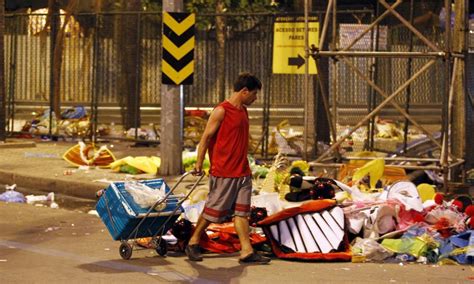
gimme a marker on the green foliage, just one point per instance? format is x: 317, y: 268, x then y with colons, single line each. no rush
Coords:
x: 231, y: 6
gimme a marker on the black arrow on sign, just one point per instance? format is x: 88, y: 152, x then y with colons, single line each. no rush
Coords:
x: 296, y: 61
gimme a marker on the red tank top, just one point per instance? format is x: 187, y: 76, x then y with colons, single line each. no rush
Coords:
x: 228, y: 148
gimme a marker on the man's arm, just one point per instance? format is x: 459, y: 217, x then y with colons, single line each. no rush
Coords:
x: 212, y: 126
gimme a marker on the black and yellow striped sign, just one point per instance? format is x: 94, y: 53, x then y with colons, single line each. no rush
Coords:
x: 177, y: 64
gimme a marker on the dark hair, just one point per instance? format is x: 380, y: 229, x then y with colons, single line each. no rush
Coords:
x: 247, y: 80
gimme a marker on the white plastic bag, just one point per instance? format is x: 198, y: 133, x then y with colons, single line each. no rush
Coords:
x: 145, y: 196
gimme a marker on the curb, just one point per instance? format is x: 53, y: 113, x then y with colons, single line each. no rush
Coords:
x: 16, y: 145
x: 85, y: 190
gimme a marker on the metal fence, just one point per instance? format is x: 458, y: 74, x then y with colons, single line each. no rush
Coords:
x: 93, y: 65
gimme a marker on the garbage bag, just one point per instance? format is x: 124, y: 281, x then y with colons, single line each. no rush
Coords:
x: 12, y: 196
x: 370, y: 249
x: 74, y: 113
x: 145, y: 196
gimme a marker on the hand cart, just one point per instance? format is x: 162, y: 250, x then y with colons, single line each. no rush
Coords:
x: 127, y: 222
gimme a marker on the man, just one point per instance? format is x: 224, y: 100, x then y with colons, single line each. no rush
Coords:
x: 230, y: 182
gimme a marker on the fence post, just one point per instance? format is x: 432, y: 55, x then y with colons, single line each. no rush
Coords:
x: 2, y: 73
x: 96, y: 79
x: 55, y: 18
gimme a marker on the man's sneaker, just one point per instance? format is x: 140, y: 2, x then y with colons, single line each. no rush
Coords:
x: 193, y: 252
x: 255, y: 258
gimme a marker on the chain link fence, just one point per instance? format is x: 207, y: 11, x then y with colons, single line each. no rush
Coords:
x: 114, y: 59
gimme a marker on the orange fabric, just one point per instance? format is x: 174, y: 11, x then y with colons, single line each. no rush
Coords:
x: 310, y: 206
x: 224, y: 239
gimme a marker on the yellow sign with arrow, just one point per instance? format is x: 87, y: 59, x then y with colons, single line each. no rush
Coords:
x: 289, y: 43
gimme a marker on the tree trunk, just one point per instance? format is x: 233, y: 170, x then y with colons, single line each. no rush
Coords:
x: 221, y: 43
x: 2, y: 74
x: 128, y: 48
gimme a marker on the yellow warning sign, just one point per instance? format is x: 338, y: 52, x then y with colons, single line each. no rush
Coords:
x: 289, y: 43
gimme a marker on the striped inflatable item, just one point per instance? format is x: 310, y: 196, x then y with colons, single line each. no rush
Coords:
x: 315, y: 230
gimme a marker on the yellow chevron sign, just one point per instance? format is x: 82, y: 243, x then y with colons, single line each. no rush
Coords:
x: 177, y: 62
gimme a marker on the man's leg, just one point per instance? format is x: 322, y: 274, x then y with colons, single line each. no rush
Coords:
x: 201, y: 225
x: 242, y: 228
x: 193, y: 251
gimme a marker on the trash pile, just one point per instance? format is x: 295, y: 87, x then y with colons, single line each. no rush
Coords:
x: 371, y: 213
x: 73, y: 122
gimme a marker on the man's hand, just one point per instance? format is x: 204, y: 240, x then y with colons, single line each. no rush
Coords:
x: 197, y: 169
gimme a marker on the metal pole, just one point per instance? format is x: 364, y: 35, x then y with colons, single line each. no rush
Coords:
x: 445, y: 149
x: 372, y: 93
x: 398, y: 159
x: 389, y: 54
x: 137, y: 78
x: 266, y: 96
x: 325, y: 24
x: 408, y: 167
x: 53, y: 35
x: 409, y: 70
x: 171, y: 143
x: 95, y: 93
x: 409, y: 26
x: 324, y: 93
x: 446, y: 146
x: 306, y: 79
x: 3, y: 135
x: 12, y: 81
x: 376, y: 110
x: 334, y: 69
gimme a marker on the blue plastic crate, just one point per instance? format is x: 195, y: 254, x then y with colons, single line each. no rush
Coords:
x: 121, y: 214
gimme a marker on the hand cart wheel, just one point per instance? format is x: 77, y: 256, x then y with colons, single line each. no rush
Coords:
x: 161, y: 246
x: 125, y: 250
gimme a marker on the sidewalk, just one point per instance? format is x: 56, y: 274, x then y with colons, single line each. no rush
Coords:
x: 40, y: 166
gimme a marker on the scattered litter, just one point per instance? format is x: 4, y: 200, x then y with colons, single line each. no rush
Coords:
x: 393, y: 281
x: 87, y: 234
x: 72, y: 225
x: 107, y: 249
x: 10, y: 195
x: 39, y: 198
x: 345, y: 268
x: 74, y: 234
x: 401, y: 264
x: 41, y: 155
x: 50, y: 229
x: 3, y: 260
x: 84, y: 168
x: 93, y: 212
x: 68, y: 172
x: 152, y: 273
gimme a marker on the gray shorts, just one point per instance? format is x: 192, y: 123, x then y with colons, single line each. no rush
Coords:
x: 227, y: 197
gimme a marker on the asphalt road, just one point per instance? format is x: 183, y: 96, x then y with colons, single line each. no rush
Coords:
x: 44, y: 245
